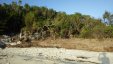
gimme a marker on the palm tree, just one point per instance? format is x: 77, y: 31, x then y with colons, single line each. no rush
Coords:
x: 27, y: 7
x: 107, y: 16
x: 20, y: 2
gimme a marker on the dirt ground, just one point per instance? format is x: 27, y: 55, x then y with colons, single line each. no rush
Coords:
x: 74, y: 43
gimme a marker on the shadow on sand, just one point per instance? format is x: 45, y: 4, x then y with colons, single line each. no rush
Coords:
x: 103, y: 58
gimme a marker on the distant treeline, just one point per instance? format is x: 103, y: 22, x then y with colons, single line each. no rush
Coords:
x: 15, y: 18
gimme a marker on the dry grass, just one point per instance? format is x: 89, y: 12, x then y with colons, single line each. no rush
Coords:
x: 75, y: 43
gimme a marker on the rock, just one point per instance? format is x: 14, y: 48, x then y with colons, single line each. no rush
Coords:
x: 20, y: 36
x: 7, y: 63
x: 2, y: 45
x: 37, y: 35
x: 19, y: 42
x: 13, y: 44
x: 43, y: 34
x: 31, y: 37
x: 5, y: 36
x: 6, y: 39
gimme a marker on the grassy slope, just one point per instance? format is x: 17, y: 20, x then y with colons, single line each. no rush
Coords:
x: 77, y: 43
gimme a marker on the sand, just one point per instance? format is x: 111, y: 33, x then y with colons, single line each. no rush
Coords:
x: 53, y: 56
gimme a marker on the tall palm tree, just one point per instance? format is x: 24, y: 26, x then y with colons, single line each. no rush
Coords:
x: 107, y: 15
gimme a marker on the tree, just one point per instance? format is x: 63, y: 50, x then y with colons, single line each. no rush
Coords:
x: 109, y: 17
x: 27, y: 8
x: 29, y: 20
x: 20, y: 2
x: 76, y: 23
x: 14, y: 17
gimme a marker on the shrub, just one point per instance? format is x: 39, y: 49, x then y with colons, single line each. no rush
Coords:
x: 85, y: 33
x: 98, y: 31
x: 29, y: 20
x: 108, y: 31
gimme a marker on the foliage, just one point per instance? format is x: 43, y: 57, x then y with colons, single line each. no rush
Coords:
x: 109, y: 17
x: 29, y: 21
x: 86, y: 33
x: 108, y: 32
x: 15, y: 18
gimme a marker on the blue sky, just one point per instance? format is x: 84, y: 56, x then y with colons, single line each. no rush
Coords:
x: 95, y: 8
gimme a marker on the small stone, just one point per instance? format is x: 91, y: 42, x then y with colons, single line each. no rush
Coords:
x: 7, y: 63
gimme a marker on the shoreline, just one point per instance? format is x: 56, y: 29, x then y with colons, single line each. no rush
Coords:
x: 59, y: 55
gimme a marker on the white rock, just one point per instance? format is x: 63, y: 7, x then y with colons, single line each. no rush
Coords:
x: 19, y: 42
x: 13, y: 43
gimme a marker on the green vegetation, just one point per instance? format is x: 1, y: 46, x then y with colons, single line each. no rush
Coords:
x: 15, y: 18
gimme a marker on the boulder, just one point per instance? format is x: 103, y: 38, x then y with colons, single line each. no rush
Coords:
x: 2, y: 45
x: 6, y: 39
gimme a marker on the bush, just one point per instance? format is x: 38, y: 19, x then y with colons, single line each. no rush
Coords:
x: 108, y: 31
x: 98, y: 31
x: 29, y: 20
x: 85, y: 33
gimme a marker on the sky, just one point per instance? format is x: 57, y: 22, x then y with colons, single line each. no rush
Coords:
x: 94, y: 8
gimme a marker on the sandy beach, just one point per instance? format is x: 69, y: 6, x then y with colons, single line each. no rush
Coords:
x: 53, y: 56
